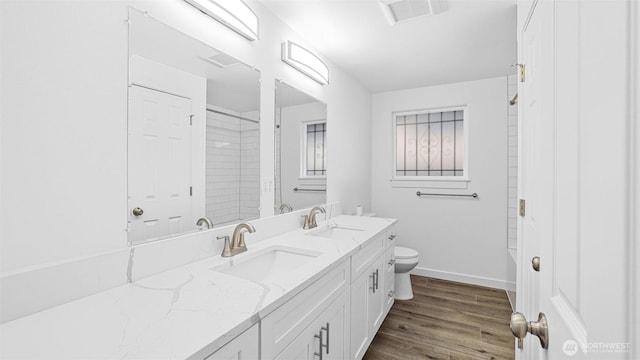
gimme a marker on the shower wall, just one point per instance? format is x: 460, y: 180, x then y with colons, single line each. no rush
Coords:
x: 232, y: 167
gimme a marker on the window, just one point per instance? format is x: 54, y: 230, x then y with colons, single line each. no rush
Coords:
x: 314, y: 155
x: 430, y: 144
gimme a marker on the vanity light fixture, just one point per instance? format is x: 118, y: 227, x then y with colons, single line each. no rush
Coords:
x: 235, y: 14
x: 305, y: 61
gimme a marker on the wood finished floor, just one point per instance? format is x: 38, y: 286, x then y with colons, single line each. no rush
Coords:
x: 446, y: 320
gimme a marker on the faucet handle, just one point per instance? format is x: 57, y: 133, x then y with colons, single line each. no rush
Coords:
x: 226, y: 251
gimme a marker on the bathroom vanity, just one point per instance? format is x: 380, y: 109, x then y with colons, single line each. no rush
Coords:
x: 304, y: 294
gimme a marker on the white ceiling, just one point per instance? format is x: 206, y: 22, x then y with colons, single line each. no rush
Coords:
x: 467, y: 40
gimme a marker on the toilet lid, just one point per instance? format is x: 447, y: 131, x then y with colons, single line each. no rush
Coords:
x: 405, y: 253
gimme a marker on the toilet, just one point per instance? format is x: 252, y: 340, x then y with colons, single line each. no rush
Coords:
x: 406, y: 260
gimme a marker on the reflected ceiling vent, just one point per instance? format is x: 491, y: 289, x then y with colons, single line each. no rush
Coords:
x: 222, y: 60
x: 401, y: 10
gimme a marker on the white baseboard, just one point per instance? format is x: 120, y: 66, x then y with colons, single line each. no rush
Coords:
x: 463, y: 278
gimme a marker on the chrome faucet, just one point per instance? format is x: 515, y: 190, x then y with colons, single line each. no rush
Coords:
x: 205, y: 220
x: 285, y: 206
x: 310, y: 220
x: 237, y: 244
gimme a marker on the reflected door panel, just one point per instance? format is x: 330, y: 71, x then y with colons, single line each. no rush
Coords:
x: 159, y: 164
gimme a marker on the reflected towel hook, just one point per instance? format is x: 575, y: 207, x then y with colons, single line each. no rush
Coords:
x: 514, y: 100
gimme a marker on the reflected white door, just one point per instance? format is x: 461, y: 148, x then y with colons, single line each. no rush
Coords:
x: 573, y: 127
x: 159, y: 164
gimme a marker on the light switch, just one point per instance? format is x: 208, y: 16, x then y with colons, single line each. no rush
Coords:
x: 267, y: 185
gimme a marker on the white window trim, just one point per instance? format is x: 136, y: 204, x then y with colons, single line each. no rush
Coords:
x: 303, y: 148
x: 444, y: 182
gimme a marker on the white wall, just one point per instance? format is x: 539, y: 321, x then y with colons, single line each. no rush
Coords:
x: 349, y: 142
x: 461, y: 239
x: 64, y: 124
x: 250, y: 166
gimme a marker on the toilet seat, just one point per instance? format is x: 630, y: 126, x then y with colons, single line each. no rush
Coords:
x: 405, y: 253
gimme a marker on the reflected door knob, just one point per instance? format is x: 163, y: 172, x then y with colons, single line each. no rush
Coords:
x: 535, y: 263
x: 520, y: 327
x: 138, y: 211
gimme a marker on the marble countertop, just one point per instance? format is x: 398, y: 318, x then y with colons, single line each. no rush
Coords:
x: 187, y: 312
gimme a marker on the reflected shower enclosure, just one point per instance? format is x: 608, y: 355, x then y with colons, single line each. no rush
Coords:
x: 233, y: 166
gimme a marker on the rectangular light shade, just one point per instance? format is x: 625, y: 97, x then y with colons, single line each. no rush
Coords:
x: 235, y: 14
x: 304, y: 61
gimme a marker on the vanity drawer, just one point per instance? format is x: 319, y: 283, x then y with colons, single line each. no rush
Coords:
x: 389, y: 261
x: 282, y: 326
x: 363, y: 258
x: 389, y: 277
x: 391, y: 236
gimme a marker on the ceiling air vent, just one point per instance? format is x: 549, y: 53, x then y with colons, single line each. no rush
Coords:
x: 222, y: 60
x: 401, y: 10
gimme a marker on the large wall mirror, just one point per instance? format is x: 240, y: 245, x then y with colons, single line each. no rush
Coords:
x: 193, y: 134
x: 300, y: 149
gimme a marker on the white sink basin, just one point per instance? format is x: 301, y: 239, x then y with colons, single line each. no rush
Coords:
x: 267, y: 265
x: 335, y: 232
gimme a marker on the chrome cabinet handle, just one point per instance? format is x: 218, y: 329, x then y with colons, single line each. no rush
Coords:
x: 373, y: 282
x: 377, y: 276
x: 319, y: 353
x: 326, y: 346
x: 137, y: 211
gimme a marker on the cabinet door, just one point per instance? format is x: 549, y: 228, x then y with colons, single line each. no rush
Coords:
x: 376, y: 296
x: 285, y: 324
x: 243, y: 347
x: 337, y: 327
x: 389, y: 278
x: 360, y: 290
x: 324, y: 338
x: 302, y: 348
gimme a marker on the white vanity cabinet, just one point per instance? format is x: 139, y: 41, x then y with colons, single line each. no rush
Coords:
x: 336, y: 316
x: 325, y: 337
x: 289, y: 332
x: 389, y: 273
x: 244, y: 346
x: 367, y: 294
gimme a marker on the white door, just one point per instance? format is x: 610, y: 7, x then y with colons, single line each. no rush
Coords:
x: 159, y: 164
x: 534, y: 187
x: 574, y: 154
